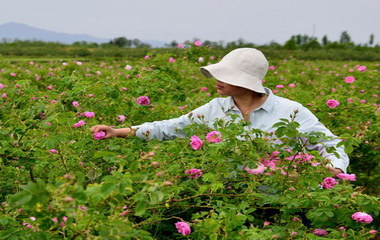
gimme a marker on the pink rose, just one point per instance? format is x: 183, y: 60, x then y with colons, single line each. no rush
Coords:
x: 362, y: 68
x: 197, y: 43
x: 143, y: 100
x: 256, y: 171
x: 329, y: 182
x: 332, y: 103
x: 99, y: 135
x: 89, y: 114
x: 75, y: 103
x: 196, y: 143
x: 320, y: 232
x: 79, y: 124
x: 194, y: 173
x: 362, y: 217
x: 349, y: 79
x: 53, y: 151
x: 183, y: 228
x: 171, y: 60
x: 214, y: 137
x: 126, y: 212
x: 121, y: 118
x: 349, y: 177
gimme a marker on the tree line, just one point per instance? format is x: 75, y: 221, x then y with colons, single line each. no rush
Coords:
x: 301, y: 46
x: 298, y: 41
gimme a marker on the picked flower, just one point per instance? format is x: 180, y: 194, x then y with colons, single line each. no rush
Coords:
x: 362, y: 217
x: 196, y: 143
x: 214, y: 137
x: 143, y: 100
x: 183, y: 228
x: 99, y: 135
x: 194, y: 173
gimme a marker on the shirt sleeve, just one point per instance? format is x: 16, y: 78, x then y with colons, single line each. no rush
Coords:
x: 309, y: 123
x: 172, y: 128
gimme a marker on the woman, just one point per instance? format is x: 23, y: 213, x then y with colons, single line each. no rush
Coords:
x: 239, y: 76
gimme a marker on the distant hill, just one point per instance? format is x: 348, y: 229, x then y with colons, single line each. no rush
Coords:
x: 17, y: 31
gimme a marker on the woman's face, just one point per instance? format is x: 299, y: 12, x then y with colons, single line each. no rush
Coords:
x: 226, y: 89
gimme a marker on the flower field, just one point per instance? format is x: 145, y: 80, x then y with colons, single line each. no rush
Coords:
x: 58, y: 181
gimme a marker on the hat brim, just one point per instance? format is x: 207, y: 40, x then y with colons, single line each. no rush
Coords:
x: 233, y: 76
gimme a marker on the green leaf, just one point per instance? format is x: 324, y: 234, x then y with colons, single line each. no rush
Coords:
x: 140, y: 209
x: 103, y: 154
x: 281, y: 131
x: 107, y: 188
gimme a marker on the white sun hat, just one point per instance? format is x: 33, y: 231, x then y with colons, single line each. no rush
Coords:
x: 242, y: 67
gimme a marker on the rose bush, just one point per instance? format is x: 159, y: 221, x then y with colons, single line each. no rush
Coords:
x: 57, y: 181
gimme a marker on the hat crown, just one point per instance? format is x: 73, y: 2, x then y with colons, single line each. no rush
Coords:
x: 248, y: 60
x: 242, y: 67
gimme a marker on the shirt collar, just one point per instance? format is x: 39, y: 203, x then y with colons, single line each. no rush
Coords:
x: 269, y: 103
x: 229, y: 104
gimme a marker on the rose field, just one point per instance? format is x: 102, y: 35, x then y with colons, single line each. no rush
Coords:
x: 58, y: 181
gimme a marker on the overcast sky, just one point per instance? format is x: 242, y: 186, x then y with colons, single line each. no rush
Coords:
x: 258, y: 22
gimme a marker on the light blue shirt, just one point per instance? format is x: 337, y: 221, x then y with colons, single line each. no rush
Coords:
x: 263, y: 118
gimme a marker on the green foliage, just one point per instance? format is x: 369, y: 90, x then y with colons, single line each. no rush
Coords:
x: 134, y: 189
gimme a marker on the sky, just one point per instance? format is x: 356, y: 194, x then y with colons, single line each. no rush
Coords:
x: 258, y: 22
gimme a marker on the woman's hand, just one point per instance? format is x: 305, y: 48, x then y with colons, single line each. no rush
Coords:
x: 335, y: 171
x: 112, y: 132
